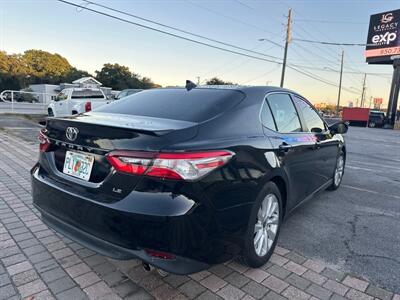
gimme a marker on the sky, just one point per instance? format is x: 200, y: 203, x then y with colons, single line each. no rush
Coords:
x: 88, y: 40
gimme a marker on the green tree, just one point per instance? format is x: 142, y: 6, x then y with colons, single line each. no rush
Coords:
x: 18, y: 71
x: 46, y: 67
x: 217, y: 81
x: 147, y: 83
x: 119, y: 77
x: 13, y: 71
x: 74, y: 74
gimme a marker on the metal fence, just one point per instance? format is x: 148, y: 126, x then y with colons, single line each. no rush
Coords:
x: 23, y: 102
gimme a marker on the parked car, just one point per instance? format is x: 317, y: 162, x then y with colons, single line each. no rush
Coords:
x: 73, y: 101
x: 376, y: 119
x: 186, y: 179
x: 127, y: 92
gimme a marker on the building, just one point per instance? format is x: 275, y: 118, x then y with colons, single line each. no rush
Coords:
x: 48, y: 92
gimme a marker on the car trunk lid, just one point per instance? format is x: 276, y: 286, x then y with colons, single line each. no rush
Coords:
x: 98, y: 134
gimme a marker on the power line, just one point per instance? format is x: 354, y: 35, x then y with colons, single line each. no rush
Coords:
x: 196, y: 42
x: 332, y: 43
x: 243, y: 4
x: 260, y: 76
x: 326, y: 69
x: 328, y: 21
x: 178, y: 29
x: 235, y: 20
x: 322, y: 34
x: 329, y: 51
x: 317, y: 54
x: 232, y: 68
x: 170, y: 34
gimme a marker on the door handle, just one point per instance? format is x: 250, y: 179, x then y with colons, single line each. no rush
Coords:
x: 285, y: 147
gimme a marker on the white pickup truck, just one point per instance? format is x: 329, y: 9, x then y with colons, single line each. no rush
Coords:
x: 72, y: 101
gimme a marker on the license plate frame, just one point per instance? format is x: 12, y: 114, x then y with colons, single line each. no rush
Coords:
x: 78, y: 164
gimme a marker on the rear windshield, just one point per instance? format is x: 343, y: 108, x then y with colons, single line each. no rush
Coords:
x: 196, y: 105
x: 86, y: 94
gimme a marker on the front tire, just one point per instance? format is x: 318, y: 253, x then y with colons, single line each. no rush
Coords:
x: 263, y: 227
x: 371, y: 125
x: 338, y: 173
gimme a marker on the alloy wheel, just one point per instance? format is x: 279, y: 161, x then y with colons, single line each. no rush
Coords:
x: 266, y: 226
x: 339, y: 170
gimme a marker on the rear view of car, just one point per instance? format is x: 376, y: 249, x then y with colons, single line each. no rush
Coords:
x: 118, y: 181
x: 376, y: 119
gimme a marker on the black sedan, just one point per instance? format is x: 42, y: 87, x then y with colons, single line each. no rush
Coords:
x: 183, y: 179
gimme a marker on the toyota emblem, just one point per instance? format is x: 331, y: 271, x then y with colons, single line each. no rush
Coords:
x: 71, y: 133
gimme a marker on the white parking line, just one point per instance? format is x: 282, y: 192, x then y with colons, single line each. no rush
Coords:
x: 378, y: 165
x: 370, y: 170
x: 369, y: 191
x: 359, y: 168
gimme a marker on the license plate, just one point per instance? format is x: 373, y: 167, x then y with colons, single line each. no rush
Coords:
x: 78, y: 165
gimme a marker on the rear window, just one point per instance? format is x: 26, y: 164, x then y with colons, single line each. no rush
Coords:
x: 87, y: 94
x: 196, y: 105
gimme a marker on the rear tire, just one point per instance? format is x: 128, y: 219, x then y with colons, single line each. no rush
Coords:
x: 50, y: 112
x: 338, y: 173
x: 263, y: 227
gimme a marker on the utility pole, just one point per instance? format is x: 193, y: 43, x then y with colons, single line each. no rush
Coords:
x: 340, y: 85
x: 198, y: 80
x: 288, y: 39
x: 363, y: 91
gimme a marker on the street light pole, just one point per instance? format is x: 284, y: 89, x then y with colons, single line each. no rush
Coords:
x: 340, y: 84
x: 363, y: 91
x: 288, y: 39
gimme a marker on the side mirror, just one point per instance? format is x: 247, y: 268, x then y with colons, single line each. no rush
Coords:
x: 338, y: 128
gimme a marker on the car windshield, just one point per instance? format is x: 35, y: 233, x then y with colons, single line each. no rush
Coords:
x: 86, y: 94
x: 196, y: 105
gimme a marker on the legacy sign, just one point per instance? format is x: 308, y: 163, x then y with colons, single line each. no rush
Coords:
x: 383, y: 37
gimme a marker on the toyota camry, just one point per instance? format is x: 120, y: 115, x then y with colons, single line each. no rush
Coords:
x: 184, y: 178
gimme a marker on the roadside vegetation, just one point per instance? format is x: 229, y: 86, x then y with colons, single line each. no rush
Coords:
x: 18, y: 71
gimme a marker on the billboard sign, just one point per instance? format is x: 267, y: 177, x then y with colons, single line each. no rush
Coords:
x: 383, y: 39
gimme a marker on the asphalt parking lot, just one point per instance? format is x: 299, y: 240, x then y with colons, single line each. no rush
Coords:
x: 357, y: 228
x: 354, y: 230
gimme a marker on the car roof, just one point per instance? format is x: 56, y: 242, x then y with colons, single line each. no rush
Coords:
x: 243, y: 88
x: 253, y: 93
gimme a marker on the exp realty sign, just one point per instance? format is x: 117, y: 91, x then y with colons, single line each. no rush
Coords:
x: 383, y: 37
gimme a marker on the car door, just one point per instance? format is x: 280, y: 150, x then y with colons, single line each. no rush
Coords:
x: 326, y: 145
x: 291, y: 144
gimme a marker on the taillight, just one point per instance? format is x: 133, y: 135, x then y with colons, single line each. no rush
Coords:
x: 159, y: 254
x: 44, y: 142
x: 186, y: 166
x: 88, y: 106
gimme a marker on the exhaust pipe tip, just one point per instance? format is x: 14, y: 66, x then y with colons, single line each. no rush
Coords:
x: 146, y: 266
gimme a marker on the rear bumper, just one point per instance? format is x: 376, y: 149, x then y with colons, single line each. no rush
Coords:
x: 123, y: 231
x: 178, y: 265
